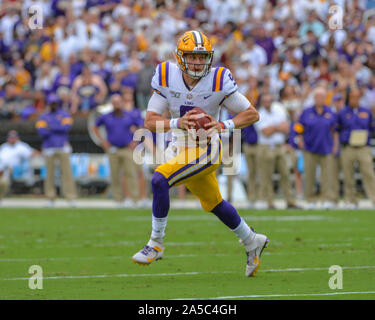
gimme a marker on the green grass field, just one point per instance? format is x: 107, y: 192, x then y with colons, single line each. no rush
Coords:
x: 86, y: 254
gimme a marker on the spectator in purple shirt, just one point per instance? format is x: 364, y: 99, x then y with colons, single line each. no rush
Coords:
x: 53, y: 127
x: 265, y: 42
x: 64, y: 79
x: 59, y: 7
x: 310, y: 49
x: 354, y: 128
x: 4, y: 48
x: 88, y: 91
x: 130, y: 80
x: 118, y: 143
x: 315, y: 127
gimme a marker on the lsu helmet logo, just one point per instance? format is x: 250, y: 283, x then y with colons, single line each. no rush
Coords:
x: 194, y: 42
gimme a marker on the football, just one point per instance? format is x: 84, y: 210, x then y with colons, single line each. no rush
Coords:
x: 202, y: 120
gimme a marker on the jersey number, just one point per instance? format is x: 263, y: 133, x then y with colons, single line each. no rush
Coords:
x: 231, y: 77
x: 184, y: 109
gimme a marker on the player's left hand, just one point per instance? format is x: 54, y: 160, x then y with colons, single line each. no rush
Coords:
x: 187, y: 120
x: 213, y: 127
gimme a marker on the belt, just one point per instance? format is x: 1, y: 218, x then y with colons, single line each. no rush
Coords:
x: 272, y: 145
x: 121, y: 147
x: 343, y: 145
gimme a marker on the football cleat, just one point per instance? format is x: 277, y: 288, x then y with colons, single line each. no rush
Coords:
x: 148, y: 254
x: 253, y: 256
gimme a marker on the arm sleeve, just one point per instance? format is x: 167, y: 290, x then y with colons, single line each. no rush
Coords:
x: 67, y: 123
x: 236, y: 102
x: 42, y: 128
x: 157, y: 104
x: 63, y: 126
x: 229, y: 84
x: 156, y: 83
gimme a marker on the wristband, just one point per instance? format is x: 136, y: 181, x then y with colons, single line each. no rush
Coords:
x: 229, y: 124
x: 222, y: 125
x: 173, y: 123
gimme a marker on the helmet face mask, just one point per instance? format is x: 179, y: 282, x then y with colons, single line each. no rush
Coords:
x: 194, y: 43
x: 190, y: 66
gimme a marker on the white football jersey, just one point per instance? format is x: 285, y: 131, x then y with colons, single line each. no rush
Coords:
x: 209, y: 93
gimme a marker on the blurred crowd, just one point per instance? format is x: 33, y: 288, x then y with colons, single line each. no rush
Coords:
x: 90, y: 50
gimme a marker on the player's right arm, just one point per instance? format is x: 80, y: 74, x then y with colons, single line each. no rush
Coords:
x: 155, y: 122
x: 158, y: 104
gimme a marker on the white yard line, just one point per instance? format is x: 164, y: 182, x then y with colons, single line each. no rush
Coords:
x: 281, y: 295
x: 182, y: 273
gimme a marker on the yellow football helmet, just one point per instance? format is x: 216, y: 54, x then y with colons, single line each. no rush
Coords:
x: 194, y: 42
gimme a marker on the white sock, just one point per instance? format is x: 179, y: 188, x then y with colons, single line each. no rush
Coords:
x: 244, y: 232
x: 158, y: 229
x: 155, y: 242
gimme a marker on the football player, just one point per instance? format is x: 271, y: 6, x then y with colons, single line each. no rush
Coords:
x: 179, y: 88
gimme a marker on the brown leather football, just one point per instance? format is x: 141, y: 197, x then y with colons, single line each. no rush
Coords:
x: 202, y: 120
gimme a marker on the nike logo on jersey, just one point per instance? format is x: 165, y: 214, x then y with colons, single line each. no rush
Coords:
x: 207, y: 97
